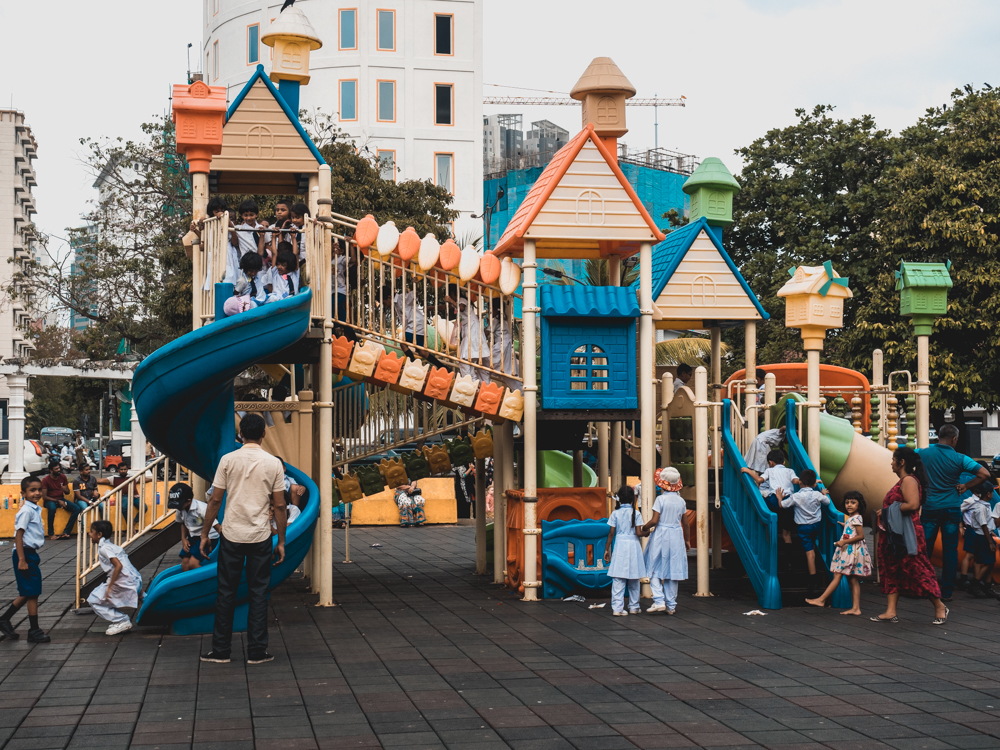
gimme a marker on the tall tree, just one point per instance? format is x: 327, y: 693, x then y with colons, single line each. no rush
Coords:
x: 810, y: 193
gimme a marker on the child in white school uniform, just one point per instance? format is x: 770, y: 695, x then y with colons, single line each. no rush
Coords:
x: 768, y: 481
x: 666, y: 550
x: 625, y: 557
x: 124, y: 585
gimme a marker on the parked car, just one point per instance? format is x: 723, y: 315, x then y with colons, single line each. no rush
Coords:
x: 35, y: 458
x: 117, y: 451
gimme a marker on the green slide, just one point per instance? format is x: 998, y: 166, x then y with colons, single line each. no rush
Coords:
x: 555, y: 469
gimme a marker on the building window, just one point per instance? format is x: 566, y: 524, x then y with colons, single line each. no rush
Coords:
x: 253, y: 44
x: 348, y: 28
x: 386, y: 30
x: 444, y: 171
x: 215, y: 61
x: 443, y: 34
x: 443, y: 100
x: 387, y: 164
x: 348, y: 100
x: 588, y: 369
x: 386, y: 101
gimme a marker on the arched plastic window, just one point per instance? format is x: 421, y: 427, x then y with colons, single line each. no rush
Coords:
x: 589, y: 369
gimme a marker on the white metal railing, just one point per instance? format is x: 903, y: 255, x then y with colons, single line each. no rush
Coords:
x: 317, y: 270
x: 388, y: 420
x: 463, y: 323
x: 134, y: 508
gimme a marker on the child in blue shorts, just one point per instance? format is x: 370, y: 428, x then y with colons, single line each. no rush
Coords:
x: 29, y: 538
x: 979, y: 528
x: 808, y: 504
x: 190, y: 514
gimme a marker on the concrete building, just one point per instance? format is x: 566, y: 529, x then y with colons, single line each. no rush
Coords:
x: 18, y: 151
x: 403, y: 78
x: 503, y: 142
x: 545, y: 137
x: 82, y: 243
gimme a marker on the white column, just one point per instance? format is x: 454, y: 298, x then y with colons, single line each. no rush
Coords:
x: 530, y: 456
x: 701, y: 476
x: 647, y: 398
x: 812, y: 391
x: 481, y: 517
x: 138, y: 446
x: 923, y: 391
x: 16, y: 385
x: 751, y: 390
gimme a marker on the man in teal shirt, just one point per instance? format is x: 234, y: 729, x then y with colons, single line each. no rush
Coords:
x: 943, y: 501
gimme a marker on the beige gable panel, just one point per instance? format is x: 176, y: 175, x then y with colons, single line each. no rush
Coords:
x: 259, y: 138
x: 590, y: 203
x: 703, y: 286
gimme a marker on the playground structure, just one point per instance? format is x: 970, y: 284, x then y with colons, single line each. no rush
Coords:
x: 422, y: 343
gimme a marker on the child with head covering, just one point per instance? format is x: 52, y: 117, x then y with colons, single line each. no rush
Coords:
x: 666, y: 552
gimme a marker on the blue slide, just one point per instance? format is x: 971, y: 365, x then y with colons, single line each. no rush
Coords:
x: 184, y: 395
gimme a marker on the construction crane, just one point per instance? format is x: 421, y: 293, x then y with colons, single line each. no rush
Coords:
x: 548, y: 101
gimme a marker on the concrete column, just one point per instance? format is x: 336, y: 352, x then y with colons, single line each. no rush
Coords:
x: 750, y: 412
x: 812, y: 392
x: 481, y: 517
x: 530, y: 455
x: 500, y: 458
x: 923, y: 391
x: 138, y: 459
x: 17, y: 385
x: 701, y: 476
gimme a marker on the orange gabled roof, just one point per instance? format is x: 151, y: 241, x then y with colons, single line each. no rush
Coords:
x: 512, y: 242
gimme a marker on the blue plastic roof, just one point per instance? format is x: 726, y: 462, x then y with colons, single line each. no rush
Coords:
x: 577, y: 300
x: 668, y: 254
x: 293, y: 117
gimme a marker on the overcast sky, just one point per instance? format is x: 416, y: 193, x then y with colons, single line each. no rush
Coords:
x: 105, y: 66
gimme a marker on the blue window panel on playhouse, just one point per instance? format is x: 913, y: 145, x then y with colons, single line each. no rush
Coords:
x: 586, y: 572
x: 588, y: 347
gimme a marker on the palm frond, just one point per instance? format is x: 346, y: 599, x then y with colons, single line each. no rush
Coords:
x: 690, y: 351
x: 472, y: 237
x: 598, y: 273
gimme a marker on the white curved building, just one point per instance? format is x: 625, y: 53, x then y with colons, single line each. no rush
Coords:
x: 402, y: 77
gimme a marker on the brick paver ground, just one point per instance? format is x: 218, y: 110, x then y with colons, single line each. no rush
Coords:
x: 420, y: 653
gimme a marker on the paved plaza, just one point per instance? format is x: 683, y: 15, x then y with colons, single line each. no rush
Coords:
x: 421, y: 653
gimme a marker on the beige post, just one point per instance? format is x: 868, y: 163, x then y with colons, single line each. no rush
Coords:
x: 923, y: 391
x: 615, y: 428
x: 701, y: 475
x: 578, y: 468
x: 500, y: 460
x: 770, y: 397
x: 751, y: 390
x: 812, y: 393
x: 602, y: 455
x: 878, y: 382
x: 480, y: 517
x: 510, y: 482
x: 326, y: 397
x: 314, y: 196
x: 716, y: 415
x: 647, y: 403
x: 199, y: 211
x: 666, y: 396
x: 530, y: 455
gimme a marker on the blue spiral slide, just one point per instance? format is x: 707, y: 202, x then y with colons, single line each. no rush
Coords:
x: 184, y: 396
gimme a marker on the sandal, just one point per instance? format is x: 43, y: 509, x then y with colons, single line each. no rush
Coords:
x: 65, y: 536
x: 877, y: 618
x: 941, y: 620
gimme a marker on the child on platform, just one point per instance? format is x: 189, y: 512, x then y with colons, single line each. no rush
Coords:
x: 977, y: 515
x: 190, y: 514
x: 808, y: 503
x: 851, y: 557
x: 298, y: 214
x: 624, y: 553
x: 124, y: 584
x: 776, y: 475
x: 283, y: 279
x: 666, y: 552
x: 29, y: 537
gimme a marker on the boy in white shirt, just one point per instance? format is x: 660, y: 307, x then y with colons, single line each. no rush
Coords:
x: 29, y: 537
x: 190, y: 514
x: 776, y: 475
x: 978, y: 516
x: 808, y: 504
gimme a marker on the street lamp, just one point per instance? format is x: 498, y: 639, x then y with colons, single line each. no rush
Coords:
x: 487, y: 213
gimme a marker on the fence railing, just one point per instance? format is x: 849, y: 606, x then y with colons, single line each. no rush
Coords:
x: 214, y: 249
x: 134, y: 508
x: 369, y: 424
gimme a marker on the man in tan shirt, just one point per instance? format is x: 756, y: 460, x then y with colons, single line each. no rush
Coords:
x: 254, y: 484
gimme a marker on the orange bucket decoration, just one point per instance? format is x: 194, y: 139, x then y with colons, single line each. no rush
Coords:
x: 439, y: 383
x: 366, y: 232
x: 489, y: 398
x: 489, y: 268
x: 389, y: 367
x: 341, y: 353
x: 408, y: 245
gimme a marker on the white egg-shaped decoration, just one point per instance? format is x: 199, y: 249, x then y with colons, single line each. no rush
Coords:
x: 388, y: 238
x: 468, y: 266
x: 510, y: 276
x: 430, y: 249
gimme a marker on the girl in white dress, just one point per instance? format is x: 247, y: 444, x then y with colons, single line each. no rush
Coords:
x: 124, y: 582
x: 666, y: 552
x: 626, y: 564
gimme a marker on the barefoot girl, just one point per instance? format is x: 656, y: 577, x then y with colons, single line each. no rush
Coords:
x: 851, y: 557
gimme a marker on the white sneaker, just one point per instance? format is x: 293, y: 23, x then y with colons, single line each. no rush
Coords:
x: 635, y: 611
x: 118, y: 627
x: 671, y: 611
x: 623, y: 613
x: 657, y: 608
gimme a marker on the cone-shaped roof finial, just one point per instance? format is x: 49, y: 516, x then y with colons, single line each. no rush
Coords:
x: 292, y: 23
x: 602, y: 76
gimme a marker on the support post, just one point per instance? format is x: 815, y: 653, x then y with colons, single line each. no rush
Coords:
x: 666, y: 396
x: 530, y: 455
x: 138, y: 446
x: 701, y: 476
x: 602, y: 455
x: 199, y: 210
x: 480, y: 517
x: 500, y: 459
x: 770, y: 397
x: 923, y: 391
x: 812, y: 391
x: 578, y: 468
x: 615, y: 428
x: 878, y: 381
x: 716, y: 414
x: 647, y: 399
x: 751, y: 390
x: 17, y: 385
x: 325, y: 378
